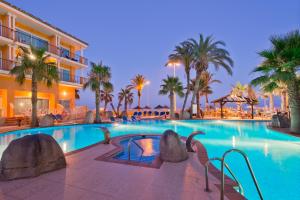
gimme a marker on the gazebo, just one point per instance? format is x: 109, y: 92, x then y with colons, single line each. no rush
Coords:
x: 235, y: 99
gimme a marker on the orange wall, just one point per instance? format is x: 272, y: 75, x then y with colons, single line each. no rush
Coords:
x: 9, y: 89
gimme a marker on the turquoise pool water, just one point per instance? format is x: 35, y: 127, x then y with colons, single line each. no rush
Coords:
x: 275, y: 157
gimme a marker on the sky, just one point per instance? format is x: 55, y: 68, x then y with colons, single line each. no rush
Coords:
x: 136, y: 36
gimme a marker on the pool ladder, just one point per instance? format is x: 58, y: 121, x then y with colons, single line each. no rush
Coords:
x: 224, y: 165
x: 132, y: 140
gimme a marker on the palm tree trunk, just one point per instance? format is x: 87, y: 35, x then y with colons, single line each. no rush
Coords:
x: 198, y: 105
x: 139, y: 100
x: 113, y: 108
x: 34, y: 120
x: 283, y: 101
x: 125, y: 106
x: 294, y: 103
x: 172, y: 105
x: 195, y: 92
x: 105, y: 106
x: 187, y: 93
x: 206, y: 102
x: 118, y: 108
x: 97, y: 95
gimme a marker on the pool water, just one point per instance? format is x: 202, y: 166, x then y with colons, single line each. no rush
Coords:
x: 275, y: 157
x: 149, y: 144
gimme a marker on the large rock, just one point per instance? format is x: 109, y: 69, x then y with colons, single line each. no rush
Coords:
x: 46, y: 120
x: 171, y: 147
x: 89, y: 117
x: 185, y: 115
x: 280, y: 121
x: 31, y: 156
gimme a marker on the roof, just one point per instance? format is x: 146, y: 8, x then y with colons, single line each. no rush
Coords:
x: 233, y: 98
x: 44, y: 22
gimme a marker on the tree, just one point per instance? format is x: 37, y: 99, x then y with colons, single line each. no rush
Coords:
x: 35, y: 63
x: 239, y: 90
x: 280, y: 65
x: 171, y: 86
x: 208, y: 51
x: 183, y: 53
x: 138, y: 83
x: 100, y: 74
x: 127, y: 96
x: 106, y: 94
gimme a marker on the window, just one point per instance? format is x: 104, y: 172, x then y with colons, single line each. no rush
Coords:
x: 22, y: 106
x: 65, y: 75
x: 65, y: 52
x: 29, y: 39
x: 65, y: 104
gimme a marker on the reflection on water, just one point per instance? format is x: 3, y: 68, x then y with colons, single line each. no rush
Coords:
x: 148, y: 146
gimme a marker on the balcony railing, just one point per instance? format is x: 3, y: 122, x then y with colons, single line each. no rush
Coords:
x: 71, y: 78
x: 42, y: 44
x: 6, y: 65
x: 6, y: 32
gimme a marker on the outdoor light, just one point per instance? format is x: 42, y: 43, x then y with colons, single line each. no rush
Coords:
x: 64, y: 93
x: 32, y: 57
x: 147, y: 83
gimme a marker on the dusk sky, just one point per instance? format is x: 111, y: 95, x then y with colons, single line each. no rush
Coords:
x: 136, y: 36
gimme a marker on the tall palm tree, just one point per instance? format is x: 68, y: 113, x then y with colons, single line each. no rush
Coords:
x: 100, y: 74
x: 207, y: 51
x: 183, y: 53
x: 239, y: 90
x: 171, y: 86
x: 127, y: 96
x: 35, y: 63
x: 106, y: 94
x: 280, y: 65
x: 138, y: 83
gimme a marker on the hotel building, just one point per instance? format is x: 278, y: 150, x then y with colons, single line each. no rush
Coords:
x: 19, y: 28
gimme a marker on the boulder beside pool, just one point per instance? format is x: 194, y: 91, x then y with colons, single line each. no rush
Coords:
x: 172, y: 149
x: 31, y: 156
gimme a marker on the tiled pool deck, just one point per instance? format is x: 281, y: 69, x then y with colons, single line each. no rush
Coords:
x: 86, y: 179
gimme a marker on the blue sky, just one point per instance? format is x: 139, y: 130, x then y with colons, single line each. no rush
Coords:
x: 136, y: 36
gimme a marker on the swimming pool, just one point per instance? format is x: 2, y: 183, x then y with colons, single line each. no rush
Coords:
x: 275, y: 157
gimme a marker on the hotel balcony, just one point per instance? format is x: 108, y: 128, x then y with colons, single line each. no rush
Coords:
x: 65, y: 78
x: 9, y: 35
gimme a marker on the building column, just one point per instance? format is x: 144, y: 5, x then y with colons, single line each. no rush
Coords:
x: 10, y: 103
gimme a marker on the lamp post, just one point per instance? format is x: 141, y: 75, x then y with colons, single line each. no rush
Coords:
x: 174, y: 64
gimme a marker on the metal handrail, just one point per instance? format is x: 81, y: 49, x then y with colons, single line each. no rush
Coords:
x: 241, y: 190
x: 249, y: 168
x: 129, y: 145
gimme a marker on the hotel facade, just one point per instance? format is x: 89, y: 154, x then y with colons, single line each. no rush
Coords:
x: 21, y: 29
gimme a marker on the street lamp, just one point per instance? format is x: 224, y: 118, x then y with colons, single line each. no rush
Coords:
x: 174, y: 64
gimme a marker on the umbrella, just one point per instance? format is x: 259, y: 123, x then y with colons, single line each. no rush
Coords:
x: 137, y: 107
x: 147, y: 107
x: 158, y: 107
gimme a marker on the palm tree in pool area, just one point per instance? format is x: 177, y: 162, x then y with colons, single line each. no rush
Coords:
x: 280, y: 65
x: 100, y: 74
x: 207, y: 51
x: 127, y: 96
x: 138, y: 83
x: 106, y: 94
x: 35, y: 63
x: 171, y: 86
x: 183, y: 53
x: 239, y: 90
x: 207, y: 80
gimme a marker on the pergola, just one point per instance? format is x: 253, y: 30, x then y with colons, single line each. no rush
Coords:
x: 235, y: 99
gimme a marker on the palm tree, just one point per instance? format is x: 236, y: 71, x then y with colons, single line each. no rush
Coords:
x: 208, y: 51
x: 171, y: 86
x: 138, y: 83
x: 183, y: 53
x: 35, y: 63
x: 239, y: 90
x: 207, y: 80
x: 100, y: 74
x: 280, y: 65
x: 127, y: 96
x: 106, y: 94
